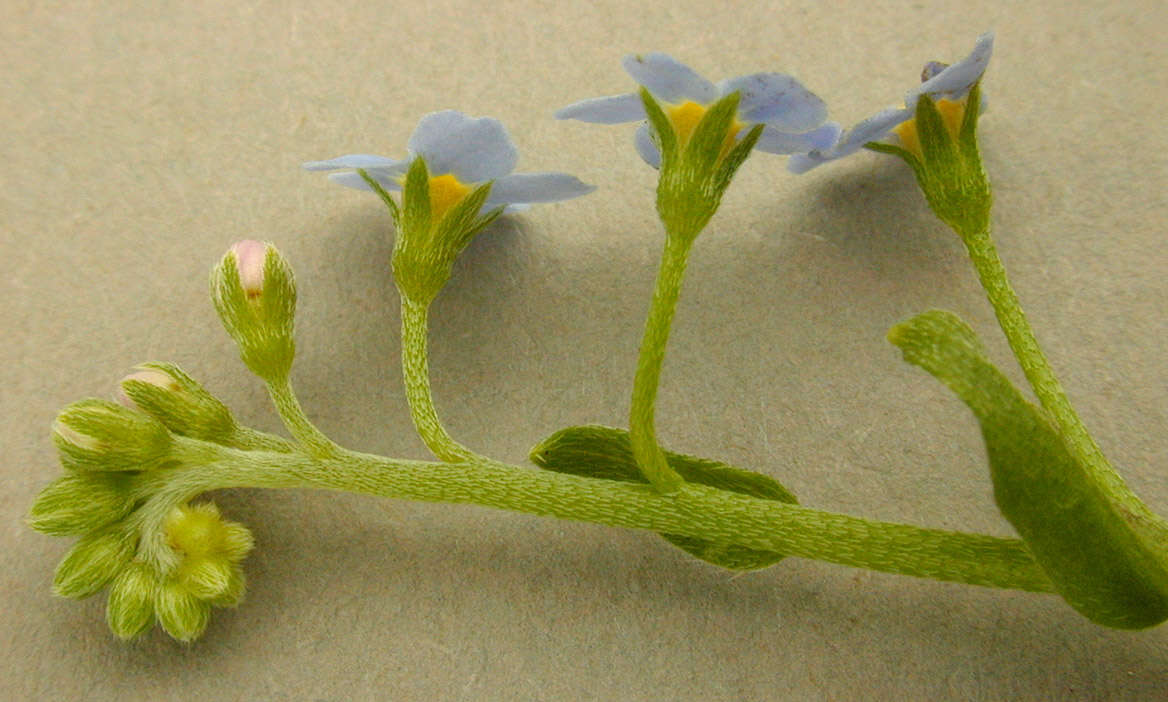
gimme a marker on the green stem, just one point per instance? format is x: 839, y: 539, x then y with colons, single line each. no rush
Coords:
x: 312, y: 439
x: 250, y: 439
x: 1014, y: 324
x: 693, y: 510
x: 642, y: 433
x: 416, y: 373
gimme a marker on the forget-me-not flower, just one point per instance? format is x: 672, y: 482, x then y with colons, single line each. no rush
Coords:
x: 948, y: 86
x: 460, y: 153
x: 793, y: 117
x: 455, y: 181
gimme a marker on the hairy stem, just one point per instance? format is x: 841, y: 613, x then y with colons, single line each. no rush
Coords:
x: 642, y: 432
x: 416, y: 372
x: 693, y: 510
x: 304, y: 431
x: 1014, y: 324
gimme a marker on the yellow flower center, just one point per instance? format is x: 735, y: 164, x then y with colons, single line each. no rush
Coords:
x: 445, y: 192
x: 952, y: 114
x: 685, y: 118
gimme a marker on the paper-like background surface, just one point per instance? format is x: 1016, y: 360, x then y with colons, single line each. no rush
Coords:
x: 140, y: 139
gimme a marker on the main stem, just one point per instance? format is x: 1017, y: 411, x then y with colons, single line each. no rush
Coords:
x: 642, y: 433
x: 1020, y: 336
x: 693, y: 510
x: 416, y: 372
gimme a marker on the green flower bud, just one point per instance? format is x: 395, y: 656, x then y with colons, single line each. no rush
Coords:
x: 99, y: 435
x: 80, y: 503
x: 206, y: 578
x: 130, y: 609
x: 93, y: 562
x: 255, y: 296
x: 165, y: 392
x: 233, y: 594
x: 198, y: 531
x: 181, y: 614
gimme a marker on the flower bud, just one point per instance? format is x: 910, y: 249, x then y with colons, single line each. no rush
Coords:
x: 165, y: 392
x: 80, y: 503
x: 206, y: 578
x: 198, y: 531
x: 181, y: 614
x: 255, y: 296
x: 99, y: 435
x: 130, y: 608
x: 93, y: 562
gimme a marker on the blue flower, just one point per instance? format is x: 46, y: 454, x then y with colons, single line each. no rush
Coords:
x: 792, y: 116
x: 947, y: 85
x: 460, y: 153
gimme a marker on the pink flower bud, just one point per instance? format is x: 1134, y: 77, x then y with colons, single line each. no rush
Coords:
x: 250, y: 256
x: 146, y: 375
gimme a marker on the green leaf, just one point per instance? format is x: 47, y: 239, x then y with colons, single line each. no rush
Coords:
x: 1105, y: 552
x: 596, y: 451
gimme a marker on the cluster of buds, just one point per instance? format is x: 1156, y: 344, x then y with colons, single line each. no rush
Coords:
x: 165, y: 563
x: 208, y: 573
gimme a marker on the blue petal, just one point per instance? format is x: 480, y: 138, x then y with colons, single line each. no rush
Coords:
x: 643, y: 141
x: 874, y: 128
x: 614, y: 109
x: 352, y: 179
x: 669, y: 80
x: 958, y: 78
x: 355, y: 161
x: 524, y: 188
x: 473, y: 150
x: 801, y: 163
x: 777, y: 100
x: 774, y: 141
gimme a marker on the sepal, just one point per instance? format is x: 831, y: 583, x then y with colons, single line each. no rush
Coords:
x: 427, y: 246
x: 947, y: 163
x: 696, y: 171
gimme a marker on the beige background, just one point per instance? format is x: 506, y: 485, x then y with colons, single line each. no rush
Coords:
x: 139, y: 140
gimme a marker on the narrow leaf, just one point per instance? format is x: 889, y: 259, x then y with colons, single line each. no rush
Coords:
x: 604, y: 452
x: 1106, y: 554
